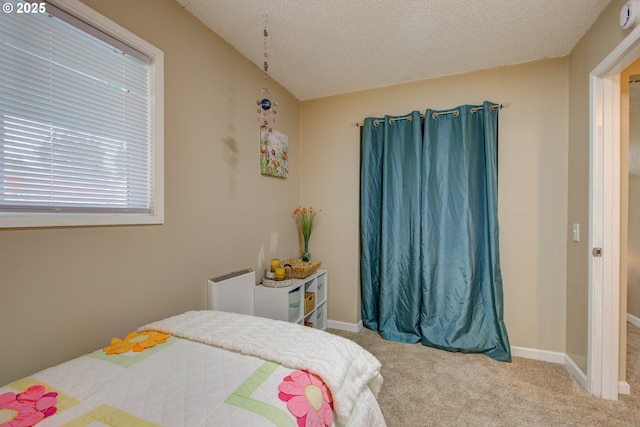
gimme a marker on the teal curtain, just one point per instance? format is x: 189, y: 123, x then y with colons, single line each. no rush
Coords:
x: 391, y: 225
x: 430, y: 261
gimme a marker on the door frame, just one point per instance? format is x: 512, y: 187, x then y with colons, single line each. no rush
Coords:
x: 604, y: 218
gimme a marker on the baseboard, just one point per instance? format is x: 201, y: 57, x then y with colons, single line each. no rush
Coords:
x: 556, y: 357
x: 576, y: 372
x: 581, y: 378
x: 543, y: 355
x: 344, y: 326
x: 527, y: 353
x: 623, y: 387
x: 633, y: 319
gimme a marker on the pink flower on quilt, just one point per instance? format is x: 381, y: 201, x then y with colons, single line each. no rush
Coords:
x: 308, y: 399
x: 27, y: 408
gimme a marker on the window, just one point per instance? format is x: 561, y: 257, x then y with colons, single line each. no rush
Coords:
x: 81, y: 120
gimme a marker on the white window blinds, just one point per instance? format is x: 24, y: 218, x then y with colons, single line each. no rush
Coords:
x: 75, y: 120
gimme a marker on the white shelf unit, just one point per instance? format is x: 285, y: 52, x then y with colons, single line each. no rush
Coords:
x: 287, y: 303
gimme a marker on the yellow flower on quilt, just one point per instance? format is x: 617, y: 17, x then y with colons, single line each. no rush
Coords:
x: 136, y: 342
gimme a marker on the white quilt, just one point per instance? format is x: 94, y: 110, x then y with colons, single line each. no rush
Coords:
x: 344, y: 366
x: 189, y: 381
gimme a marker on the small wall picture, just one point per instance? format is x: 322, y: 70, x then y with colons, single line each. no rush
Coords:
x: 274, y: 156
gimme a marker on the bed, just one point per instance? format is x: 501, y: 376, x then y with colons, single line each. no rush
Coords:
x: 205, y: 368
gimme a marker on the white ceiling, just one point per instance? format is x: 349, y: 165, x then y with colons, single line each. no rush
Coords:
x: 319, y: 48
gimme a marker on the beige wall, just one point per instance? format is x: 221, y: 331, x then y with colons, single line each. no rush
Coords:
x: 533, y: 137
x: 594, y: 46
x: 633, y: 218
x: 625, y: 120
x: 67, y: 291
x: 633, y: 254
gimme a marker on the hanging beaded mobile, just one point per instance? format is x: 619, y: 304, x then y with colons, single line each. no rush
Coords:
x: 266, y: 106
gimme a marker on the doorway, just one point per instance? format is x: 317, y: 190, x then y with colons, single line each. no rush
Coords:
x: 633, y: 234
x: 604, y: 221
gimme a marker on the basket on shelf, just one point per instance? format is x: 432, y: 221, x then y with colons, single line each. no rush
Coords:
x: 309, y: 302
x: 301, y: 269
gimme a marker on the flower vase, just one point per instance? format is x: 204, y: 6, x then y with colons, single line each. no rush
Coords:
x: 306, y: 256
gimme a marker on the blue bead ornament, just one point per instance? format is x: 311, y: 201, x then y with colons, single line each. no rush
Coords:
x: 266, y: 107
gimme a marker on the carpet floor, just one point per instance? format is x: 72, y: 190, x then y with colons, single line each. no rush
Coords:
x: 429, y: 387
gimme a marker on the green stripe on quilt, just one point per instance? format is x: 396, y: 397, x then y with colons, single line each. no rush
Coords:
x: 241, y: 397
x: 108, y: 415
x: 129, y: 359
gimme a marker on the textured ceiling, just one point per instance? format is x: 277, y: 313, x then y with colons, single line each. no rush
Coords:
x: 321, y: 48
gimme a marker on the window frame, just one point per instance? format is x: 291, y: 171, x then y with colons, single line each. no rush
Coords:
x: 156, y: 215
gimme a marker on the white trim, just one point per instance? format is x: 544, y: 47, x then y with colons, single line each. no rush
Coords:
x: 595, y: 264
x: 633, y: 319
x: 624, y: 388
x: 344, y: 326
x: 535, y: 354
x: 604, y: 218
x: 581, y: 378
x: 575, y: 371
x: 524, y: 352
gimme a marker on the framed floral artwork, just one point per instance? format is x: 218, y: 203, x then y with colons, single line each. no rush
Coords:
x: 274, y: 156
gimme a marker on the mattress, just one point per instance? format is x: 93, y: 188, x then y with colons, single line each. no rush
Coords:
x: 213, y: 369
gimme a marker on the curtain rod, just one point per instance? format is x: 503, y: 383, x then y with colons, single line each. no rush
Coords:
x: 435, y: 115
